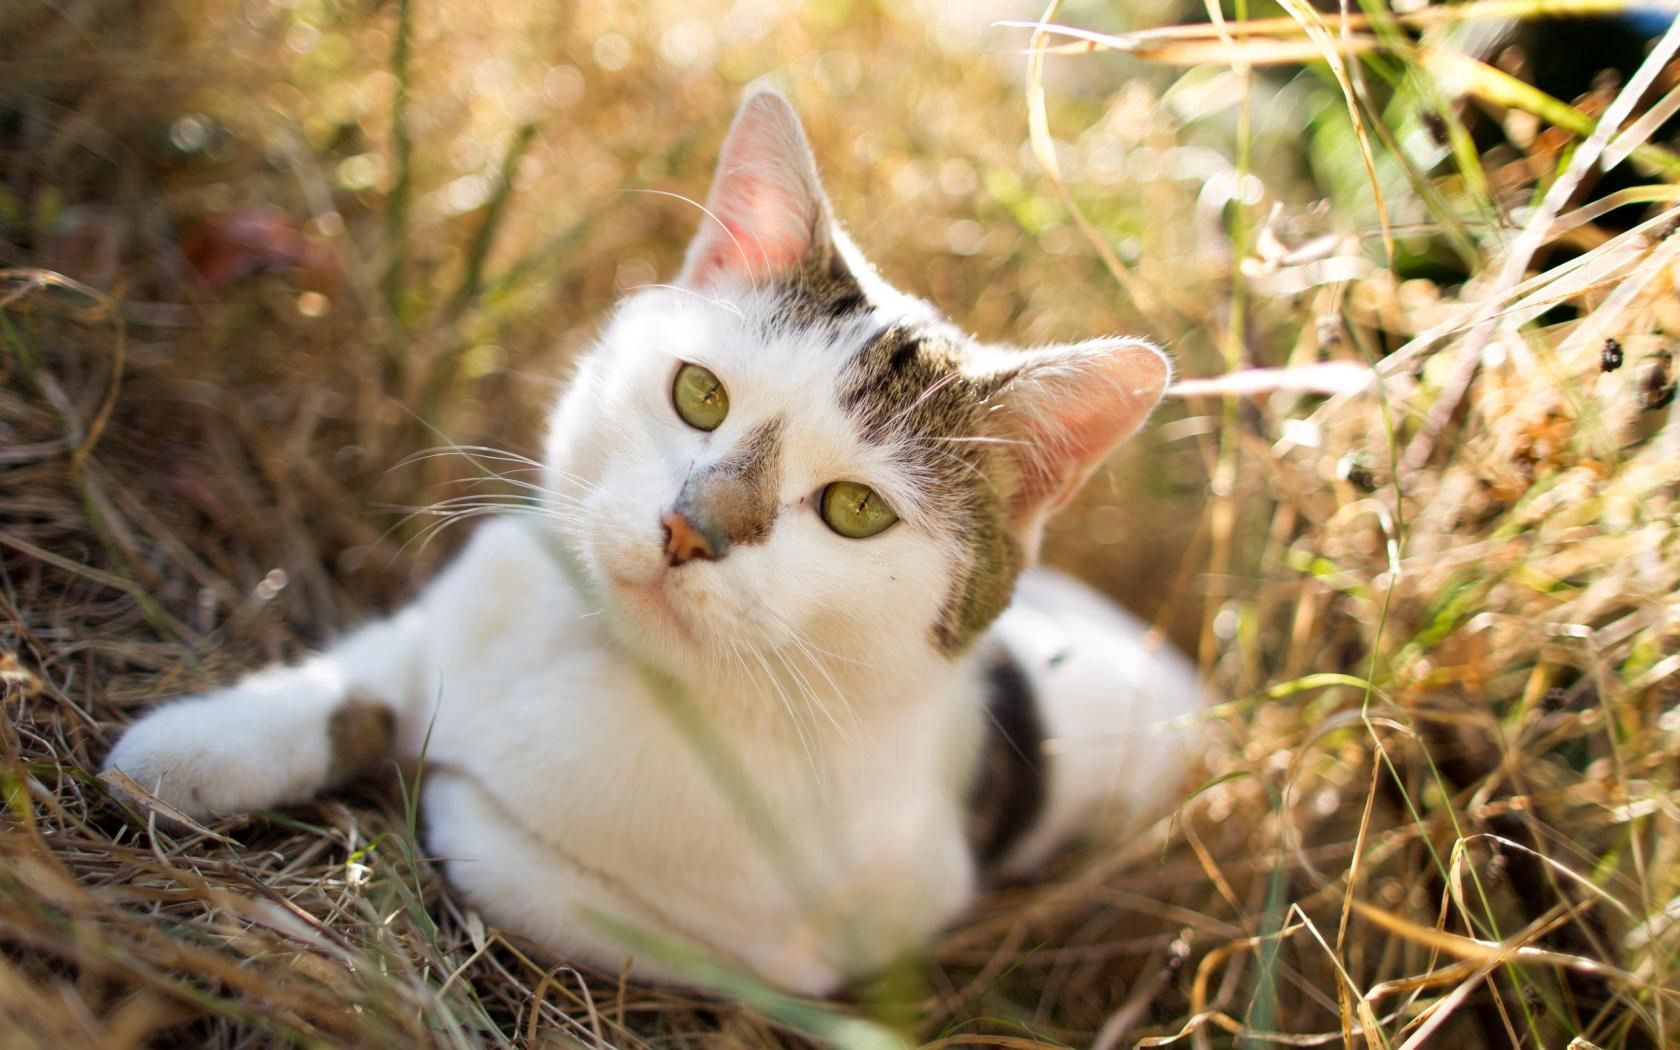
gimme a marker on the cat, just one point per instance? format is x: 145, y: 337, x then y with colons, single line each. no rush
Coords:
x: 765, y: 672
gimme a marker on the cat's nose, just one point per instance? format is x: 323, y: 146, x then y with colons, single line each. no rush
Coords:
x: 683, y: 540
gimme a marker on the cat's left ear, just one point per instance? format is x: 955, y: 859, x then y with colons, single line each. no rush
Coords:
x: 1062, y: 410
x: 769, y: 215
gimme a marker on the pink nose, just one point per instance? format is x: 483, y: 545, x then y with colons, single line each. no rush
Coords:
x: 684, y: 542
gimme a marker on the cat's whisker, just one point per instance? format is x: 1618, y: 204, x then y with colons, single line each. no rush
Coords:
x: 451, y: 507
x: 409, y: 514
x: 544, y: 496
x: 506, y: 497
x: 952, y: 457
x: 505, y: 474
x: 435, y: 529
x: 531, y: 466
x: 841, y: 657
x: 462, y: 508
x: 979, y: 439
x: 932, y: 388
x: 787, y: 705
x: 470, y: 452
x: 539, y: 498
x: 477, y: 454
x: 810, y: 652
x: 815, y: 698
x: 792, y: 635
x: 812, y: 700
x: 590, y: 487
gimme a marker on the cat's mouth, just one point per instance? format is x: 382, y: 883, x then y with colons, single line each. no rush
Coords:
x: 651, y: 602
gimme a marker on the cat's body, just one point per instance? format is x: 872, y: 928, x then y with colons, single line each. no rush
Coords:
x: 697, y: 694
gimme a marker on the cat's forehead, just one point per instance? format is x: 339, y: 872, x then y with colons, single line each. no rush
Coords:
x: 894, y: 367
x: 907, y: 378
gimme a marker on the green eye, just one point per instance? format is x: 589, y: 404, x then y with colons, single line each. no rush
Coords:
x: 699, y: 397
x: 855, y: 511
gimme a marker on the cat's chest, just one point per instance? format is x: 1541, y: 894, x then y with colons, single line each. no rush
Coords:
x: 530, y: 697
x: 577, y: 751
x: 615, y: 781
x: 592, y: 758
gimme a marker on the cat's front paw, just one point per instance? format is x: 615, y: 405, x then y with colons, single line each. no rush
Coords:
x: 175, y: 760
x: 224, y: 754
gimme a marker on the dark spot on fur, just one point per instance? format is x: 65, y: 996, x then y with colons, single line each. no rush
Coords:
x: 902, y: 356
x: 822, y: 291
x: 847, y: 303
x: 1008, y: 793
x: 359, y: 734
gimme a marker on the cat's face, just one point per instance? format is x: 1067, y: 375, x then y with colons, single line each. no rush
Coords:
x: 781, y: 462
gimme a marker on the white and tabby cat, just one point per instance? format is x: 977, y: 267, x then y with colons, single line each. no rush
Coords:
x: 753, y: 677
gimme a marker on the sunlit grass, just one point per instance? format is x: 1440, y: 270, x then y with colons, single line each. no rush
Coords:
x: 1431, y: 585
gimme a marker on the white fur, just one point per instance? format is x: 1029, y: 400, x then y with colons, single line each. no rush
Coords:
x: 558, y: 785
x: 763, y: 755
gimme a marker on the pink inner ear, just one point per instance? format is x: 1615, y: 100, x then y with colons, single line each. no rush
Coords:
x: 1064, y: 454
x: 767, y: 209
x: 1074, y: 416
x: 756, y: 238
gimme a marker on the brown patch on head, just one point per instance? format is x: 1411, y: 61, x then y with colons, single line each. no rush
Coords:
x: 984, y: 589
x: 359, y: 734
x: 822, y: 290
x: 733, y: 501
x: 907, y: 390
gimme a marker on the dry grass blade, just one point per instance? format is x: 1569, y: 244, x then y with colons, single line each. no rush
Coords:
x: 1446, y: 687
x: 1427, y: 17
x: 1331, y: 50
x: 23, y: 284
x: 1534, y: 233
x: 1487, y: 953
x: 157, y: 807
x: 1044, y: 150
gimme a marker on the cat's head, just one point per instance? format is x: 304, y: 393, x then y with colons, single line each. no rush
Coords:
x: 780, y: 451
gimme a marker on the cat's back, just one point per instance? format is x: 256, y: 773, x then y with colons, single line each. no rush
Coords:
x: 1061, y: 618
x: 1114, y: 703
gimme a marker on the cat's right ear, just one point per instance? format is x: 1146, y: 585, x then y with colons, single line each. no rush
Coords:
x: 767, y: 211
x: 1061, y: 410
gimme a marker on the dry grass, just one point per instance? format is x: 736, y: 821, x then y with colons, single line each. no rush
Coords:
x: 1440, y: 798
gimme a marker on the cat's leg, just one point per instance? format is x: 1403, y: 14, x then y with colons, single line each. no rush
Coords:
x: 522, y: 882
x: 282, y: 735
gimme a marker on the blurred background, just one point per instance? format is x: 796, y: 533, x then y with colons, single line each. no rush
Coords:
x: 258, y: 256
x: 396, y: 239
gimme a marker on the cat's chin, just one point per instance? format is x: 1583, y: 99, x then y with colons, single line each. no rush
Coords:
x: 650, y: 608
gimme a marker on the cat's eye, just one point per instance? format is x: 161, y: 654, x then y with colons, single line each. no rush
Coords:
x: 699, y: 397
x: 854, y: 510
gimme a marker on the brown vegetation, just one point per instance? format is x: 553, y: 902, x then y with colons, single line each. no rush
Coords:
x: 255, y: 257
